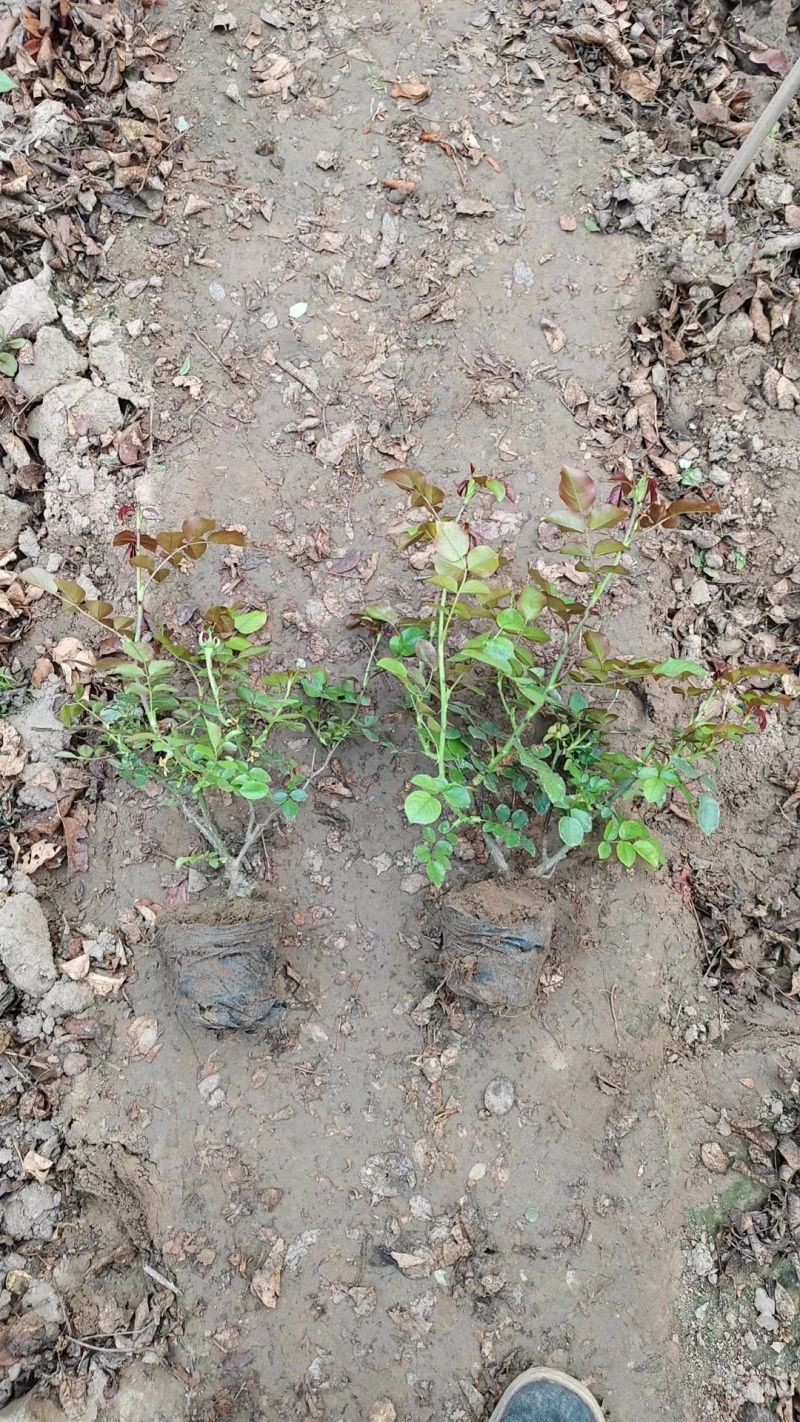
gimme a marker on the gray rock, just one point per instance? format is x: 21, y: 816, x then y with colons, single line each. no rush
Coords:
x: 701, y: 1260
x: 148, y: 1392
x: 42, y: 1299
x: 29, y: 545
x: 54, y: 361
x: 74, y: 326
x: 33, y: 1407
x: 773, y: 192
x: 13, y: 518
x: 765, y: 1310
x: 32, y: 1212
x: 26, y: 307
x: 498, y: 1098
x: 28, y: 1027
x: 89, y: 410
x: 111, y: 362
x: 148, y: 99
x: 737, y: 331
x: 700, y: 593
x: 66, y: 999
x: 25, y: 949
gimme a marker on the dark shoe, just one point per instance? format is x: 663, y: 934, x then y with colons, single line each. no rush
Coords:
x: 544, y: 1395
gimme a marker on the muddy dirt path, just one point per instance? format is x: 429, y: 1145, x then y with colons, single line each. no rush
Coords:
x: 307, y: 325
x: 347, y: 332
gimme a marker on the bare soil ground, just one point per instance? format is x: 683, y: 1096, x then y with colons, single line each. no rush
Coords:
x: 304, y: 332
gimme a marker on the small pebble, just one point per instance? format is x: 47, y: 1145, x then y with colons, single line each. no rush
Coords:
x: 382, y: 1411
x: 498, y: 1098
x: 700, y: 593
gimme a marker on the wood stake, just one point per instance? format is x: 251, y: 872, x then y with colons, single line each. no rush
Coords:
x: 780, y: 101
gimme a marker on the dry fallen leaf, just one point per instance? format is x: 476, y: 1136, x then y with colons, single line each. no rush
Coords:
x: 160, y: 74
x: 150, y: 911
x: 266, y: 1282
x: 44, y: 851
x: 772, y: 59
x: 141, y: 1038
x: 409, y: 90
x: 553, y: 334
x: 13, y: 754
x: 76, y: 968
x: 714, y: 1158
x: 195, y: 204
x: 638, y: 85
x: 76, y: 661
x: 106, y: 984
x: 37, y: 1165
x: 43, y: 668
x: 76, y: 836
x: 473, y: 207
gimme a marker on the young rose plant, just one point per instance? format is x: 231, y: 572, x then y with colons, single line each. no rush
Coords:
x: 191, y: 717
x: 515, y: 692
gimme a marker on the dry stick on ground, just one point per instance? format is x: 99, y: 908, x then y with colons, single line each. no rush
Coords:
x: 780, y: 101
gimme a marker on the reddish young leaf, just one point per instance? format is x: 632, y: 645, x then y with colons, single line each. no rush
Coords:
x: 576, y: 490
x: 121, y: 540
x: 228, y: 535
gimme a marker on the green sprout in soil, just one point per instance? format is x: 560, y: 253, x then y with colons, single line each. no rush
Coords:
x: 192, y: 717
x: 517, y: 698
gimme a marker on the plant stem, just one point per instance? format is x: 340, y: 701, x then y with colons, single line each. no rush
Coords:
x: 444, y: 695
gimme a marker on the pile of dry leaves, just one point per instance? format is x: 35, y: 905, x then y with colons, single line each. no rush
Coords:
x: 83, y: 137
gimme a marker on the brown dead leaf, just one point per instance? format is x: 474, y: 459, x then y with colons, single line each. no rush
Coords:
x: 714, y: 1158
x: 772, y: 59
x: 574, y: 394
x: 638, y: 85
x: 43, y: 668
x: 13, y: 754
x: 347, y: 564
x: 760, y: 321
x: 329, y: 785
x: 408, y: 89
x: 76, y: 661
x: 76, y: 969
x: 399, y: 185
x: 150, y: 911
x: 141, y: 1039
x: 433, y: 136
x: 195, y: 204
x: 160, y: 74
x: 44, y: 851
x: 266, y: 1282
x: 37, y: 1165
x: 553, y: 334
x: 76, y: 838
x: 473, y: 207
x: 129, y: 444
